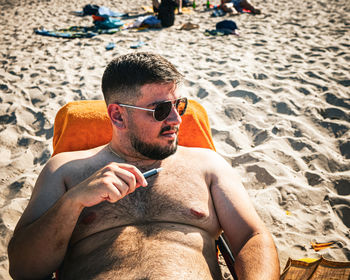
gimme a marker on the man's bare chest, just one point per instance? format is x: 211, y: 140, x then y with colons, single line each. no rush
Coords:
x: 172, y: 196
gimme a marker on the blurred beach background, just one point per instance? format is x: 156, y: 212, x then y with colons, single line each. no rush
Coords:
x: 277, y: 96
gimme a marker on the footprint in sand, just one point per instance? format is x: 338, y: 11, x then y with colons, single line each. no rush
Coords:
x: 341, y: 206
x: 339, y: 102
x: 247, y: 95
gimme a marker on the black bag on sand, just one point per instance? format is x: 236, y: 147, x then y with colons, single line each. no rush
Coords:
x: 90, y: 9
x: 166, y: 13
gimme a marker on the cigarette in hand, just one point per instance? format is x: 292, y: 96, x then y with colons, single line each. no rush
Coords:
x: 152, y: 172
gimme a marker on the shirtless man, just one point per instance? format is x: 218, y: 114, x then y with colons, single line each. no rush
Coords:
x: 93, y: 215
x: 230, y: 6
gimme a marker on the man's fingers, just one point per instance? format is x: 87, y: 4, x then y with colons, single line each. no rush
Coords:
x: 123, y: 178
x: 137, y: 174
x: 141, y: 181
x: 112, y: 195
x: 117, y: 192
x: 128, y: 179
x: 114, y: 188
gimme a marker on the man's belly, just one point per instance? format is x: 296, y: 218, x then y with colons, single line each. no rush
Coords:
x: 148, y: 251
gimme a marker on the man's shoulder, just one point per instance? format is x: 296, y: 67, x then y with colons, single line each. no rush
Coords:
x: 65, y: 158
x: 195, y: 149
x: 210, y: 158
x: 197, y: 153
x: 80, y: 153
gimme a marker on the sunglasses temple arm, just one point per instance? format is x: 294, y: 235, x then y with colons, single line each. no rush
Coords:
x: 135, y: 107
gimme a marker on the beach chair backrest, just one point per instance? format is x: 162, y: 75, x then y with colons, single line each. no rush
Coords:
x: 81, y: 125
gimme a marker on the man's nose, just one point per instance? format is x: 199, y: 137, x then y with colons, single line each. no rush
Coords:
x: 174, y: 117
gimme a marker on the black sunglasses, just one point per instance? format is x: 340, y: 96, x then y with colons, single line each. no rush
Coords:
x: 163, y: 109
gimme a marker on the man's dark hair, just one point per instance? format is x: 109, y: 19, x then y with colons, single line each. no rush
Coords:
x: 126, y: 74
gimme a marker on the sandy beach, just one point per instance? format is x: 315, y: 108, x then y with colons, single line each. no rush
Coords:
x: 277, y: 96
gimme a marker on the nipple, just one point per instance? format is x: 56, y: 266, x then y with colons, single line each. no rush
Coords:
x: 197, y: 214
x: 88, y: 218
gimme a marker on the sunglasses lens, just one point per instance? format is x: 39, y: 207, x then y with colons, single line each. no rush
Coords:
x: 162, y: 111
x: 181, y: 105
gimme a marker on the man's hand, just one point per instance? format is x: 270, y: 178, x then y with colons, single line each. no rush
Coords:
x: 111, y: 183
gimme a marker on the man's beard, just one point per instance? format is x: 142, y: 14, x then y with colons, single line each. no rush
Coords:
x: 153, y: 151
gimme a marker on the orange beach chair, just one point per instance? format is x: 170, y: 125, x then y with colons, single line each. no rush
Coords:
x: 85, y: 124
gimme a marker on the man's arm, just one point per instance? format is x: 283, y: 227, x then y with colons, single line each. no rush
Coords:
x: 250, y: 241
x: 42, y: 235
x: 36, y: 250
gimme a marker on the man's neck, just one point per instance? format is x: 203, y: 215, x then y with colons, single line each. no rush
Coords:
x: 136, y: 160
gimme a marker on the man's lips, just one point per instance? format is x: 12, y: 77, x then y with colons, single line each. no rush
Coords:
x: 169, y: 131
x: 169, y: 135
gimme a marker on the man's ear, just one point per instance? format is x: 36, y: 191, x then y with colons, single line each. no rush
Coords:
x: 115, y: 114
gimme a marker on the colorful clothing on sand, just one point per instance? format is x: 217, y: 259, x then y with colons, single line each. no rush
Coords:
x: 237, y: 5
